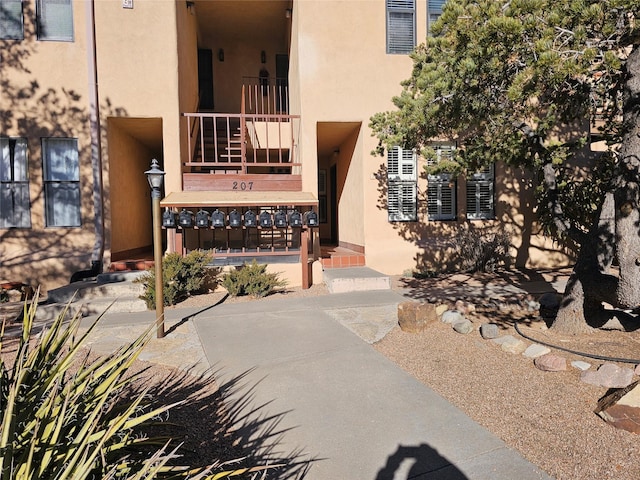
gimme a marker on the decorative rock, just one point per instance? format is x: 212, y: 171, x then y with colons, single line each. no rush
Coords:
x: 550, y: 363
x: 414, y: 317
x: 464, y: 327
x: 489, y: 331
x: 621, y: 408
x: 536, y: 350
x: 637, y: 370
x: 465, y: 308
x: 608, y: 375
x: 452, y: 316
x: 513, y: 345
x: 580, y: 365
x: 440, y: 309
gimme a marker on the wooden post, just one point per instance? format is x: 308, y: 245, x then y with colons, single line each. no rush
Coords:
x: 304, y: 258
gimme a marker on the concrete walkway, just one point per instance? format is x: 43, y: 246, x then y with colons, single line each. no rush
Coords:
x: 319, y: 391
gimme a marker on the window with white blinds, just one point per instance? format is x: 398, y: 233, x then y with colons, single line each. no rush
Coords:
x: 61, y: 182
x: 402, y: 188
x: 480, y: 194
x: 15, y: 207
x: 441, y: 187
x: 11, y: 27
x: 401, y: 26
x: 55, y: 20
x: 434, y: 10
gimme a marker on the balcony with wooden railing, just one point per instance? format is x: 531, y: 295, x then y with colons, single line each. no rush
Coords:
x: 256, y: 149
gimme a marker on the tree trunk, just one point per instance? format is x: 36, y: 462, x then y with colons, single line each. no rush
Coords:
x: 590, y: 284
x: 627, y: 190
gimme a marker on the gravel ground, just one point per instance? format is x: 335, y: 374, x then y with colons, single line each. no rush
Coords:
x: 548, y: 417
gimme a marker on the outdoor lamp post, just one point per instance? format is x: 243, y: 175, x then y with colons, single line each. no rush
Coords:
x: 155, y: 176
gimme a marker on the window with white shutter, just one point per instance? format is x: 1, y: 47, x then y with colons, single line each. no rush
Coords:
x: 11, y: 27
x: 55, y: 20
x: 402, y: 186
x: 15, y: 207
x: 480, y: 194
x: 441, y: 187
x: 401, y: 26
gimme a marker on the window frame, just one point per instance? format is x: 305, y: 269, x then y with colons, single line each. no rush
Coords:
x: 20, y: 211
x: 436, y: 9
x: 5, y: 19
x: 402, y: 185
x: 481, y: 196
x: 41, y: 8
x: 395, y: 9
x: 52, y: 218
x: 442, y: 183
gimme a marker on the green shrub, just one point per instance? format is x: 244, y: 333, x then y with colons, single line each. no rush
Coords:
x: 482, y: 251
x: 65, y: 417
x: 182, y: 277
x: 251, y: 279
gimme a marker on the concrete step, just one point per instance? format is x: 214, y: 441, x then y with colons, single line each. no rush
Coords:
x: 113, y: 291
x: 100, y: 288
x: 355, y: 279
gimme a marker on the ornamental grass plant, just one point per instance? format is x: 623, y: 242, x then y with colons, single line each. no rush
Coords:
x: 64, y: 416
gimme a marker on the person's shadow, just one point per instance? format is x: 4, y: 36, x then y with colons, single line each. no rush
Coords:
x: 417, y: 462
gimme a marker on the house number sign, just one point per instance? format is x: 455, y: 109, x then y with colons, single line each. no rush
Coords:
x: 242, y: 185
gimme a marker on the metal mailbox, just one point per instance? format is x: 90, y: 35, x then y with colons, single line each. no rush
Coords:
x: 202, y: 219
x: 185, y: 218
x: 217, y: 219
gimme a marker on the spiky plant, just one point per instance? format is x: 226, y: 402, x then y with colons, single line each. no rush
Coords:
x: 66, y: 417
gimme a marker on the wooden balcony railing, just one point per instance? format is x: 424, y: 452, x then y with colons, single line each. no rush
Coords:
x: 243, y: 143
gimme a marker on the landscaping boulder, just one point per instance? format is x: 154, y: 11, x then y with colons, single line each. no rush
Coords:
x: 452, y: 316
x: 550, y: 363
x: 621, y: 408
x: 489, y: 331
x: 463, y: 326
x: 608, y: 375
x: 414, y: 317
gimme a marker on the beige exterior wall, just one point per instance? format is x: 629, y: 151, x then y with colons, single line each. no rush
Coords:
x: 342, y: 73
x: 44, y: 94
x: 147, y: 76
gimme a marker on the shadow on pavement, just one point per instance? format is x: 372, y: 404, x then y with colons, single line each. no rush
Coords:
x: 419, y: 461
x: 218, y: 425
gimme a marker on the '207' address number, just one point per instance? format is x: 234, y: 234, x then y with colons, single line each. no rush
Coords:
x: 242, y: 186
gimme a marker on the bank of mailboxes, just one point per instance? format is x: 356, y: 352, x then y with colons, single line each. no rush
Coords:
x: 219, y: 219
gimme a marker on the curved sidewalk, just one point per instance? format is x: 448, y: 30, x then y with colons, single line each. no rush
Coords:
x: 340, y: 402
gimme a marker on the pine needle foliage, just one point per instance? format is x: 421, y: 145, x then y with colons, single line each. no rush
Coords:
x: 251, y: 279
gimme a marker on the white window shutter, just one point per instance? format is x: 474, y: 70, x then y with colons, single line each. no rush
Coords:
x: 480, y: 203
x: 441, y: 189
x: 402, y: 185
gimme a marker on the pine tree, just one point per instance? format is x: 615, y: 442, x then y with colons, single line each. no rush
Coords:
x: 517, y: 82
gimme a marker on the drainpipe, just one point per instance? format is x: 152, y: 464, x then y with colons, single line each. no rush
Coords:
x: 96, y: 151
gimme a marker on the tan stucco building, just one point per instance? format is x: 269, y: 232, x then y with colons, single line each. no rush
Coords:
x: 248, y: 105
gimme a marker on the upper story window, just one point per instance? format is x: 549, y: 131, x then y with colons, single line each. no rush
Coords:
x: 11, y: 27
x: 434, y: 10
x: 441, y: 187
x: 61, y: 182
x: 402, y: 185
x: 480, y: 194
x: 15, y: 207
x: 55, y: 20
x: 401, y: 26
